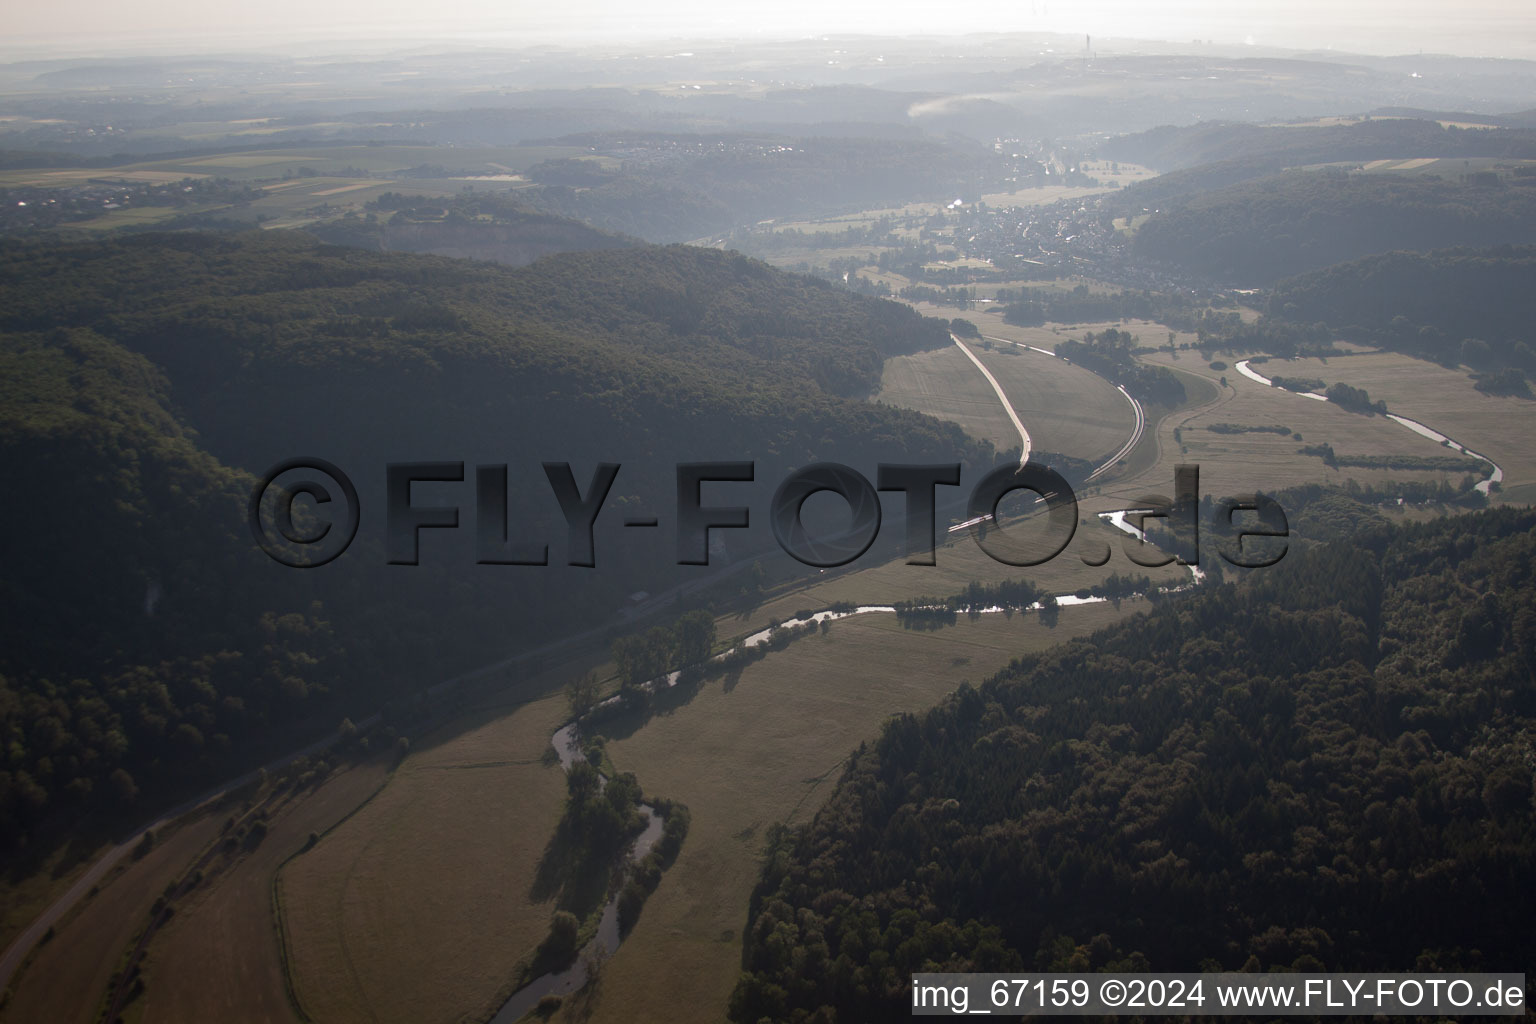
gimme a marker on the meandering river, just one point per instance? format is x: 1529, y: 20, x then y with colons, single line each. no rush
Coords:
x: 1485, y: 486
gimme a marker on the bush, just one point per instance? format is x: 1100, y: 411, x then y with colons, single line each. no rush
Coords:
x: 257, y: 833
x: 1295, y: 383
x: 646, y: 875
x: 1509, y: 381
x: 560, y: 943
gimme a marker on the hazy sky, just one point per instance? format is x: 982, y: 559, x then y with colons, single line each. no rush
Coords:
x: 1468, y: 27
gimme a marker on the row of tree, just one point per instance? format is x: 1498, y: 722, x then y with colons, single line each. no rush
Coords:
x: 1111, y: 354
x: 643, y: 657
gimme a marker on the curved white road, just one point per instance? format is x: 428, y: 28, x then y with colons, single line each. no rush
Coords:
x: 1141, y: 425
x: 1001, y: 397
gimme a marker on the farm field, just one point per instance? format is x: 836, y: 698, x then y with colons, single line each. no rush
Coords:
x: 1523, y: 494
x: 302, y: 200
x: 1082, y: 428
x: 418, y: 907
x: 1500, y: 427
x: 219, y: 958
x: 298, y: 186
x: 250, y: 128
x: 1150, y: 467
x: 1065, y: 408
x: 62, y: 177
x: 1338, y: 119
x: 1043, y: 195
x: 1445, y: 167
x: 136, y: 216
x: 320, y: 161
x: 764, y: 748
x: 789, y: 259
x: 1241, y: 463
x: 1231, y: 463
x: 860, y: 219
x: 1113, y: 175
x: 1047, y: 336
x: 65, y: 979
x: 36, y: 885
x: 985, y: 291
x: 945, y: 384
x: 282, y: 204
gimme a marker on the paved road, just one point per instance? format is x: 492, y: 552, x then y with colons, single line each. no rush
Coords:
x: 1001, y: 397
x: 1141, y: 425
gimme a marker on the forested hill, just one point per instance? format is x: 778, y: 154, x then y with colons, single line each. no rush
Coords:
x: 1200, y: 158
x: 1329, y: 767
x: 1454, y: 305
x: 1258, y: 232
x: 1272, y: 147
x: 246, y: 328
x: 482, y: 226
x: 147, y: 644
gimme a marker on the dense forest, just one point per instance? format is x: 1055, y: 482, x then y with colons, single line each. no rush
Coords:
x: 1325, y: 767
x: 1260, y: 231
x: 149, y: 645
x: 1472, y: 306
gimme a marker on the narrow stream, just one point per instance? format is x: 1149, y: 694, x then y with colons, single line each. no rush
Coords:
x: 562, y: 983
